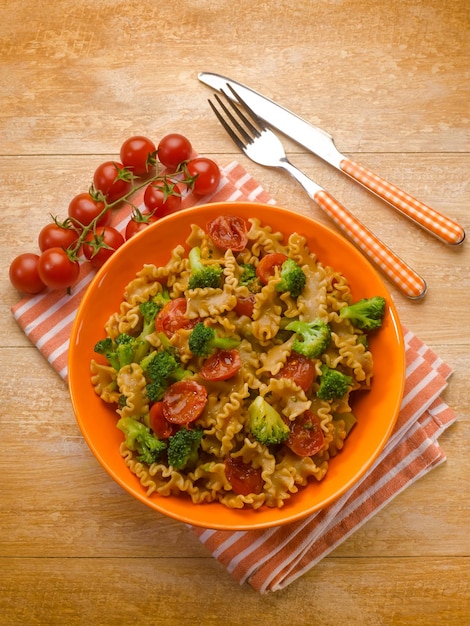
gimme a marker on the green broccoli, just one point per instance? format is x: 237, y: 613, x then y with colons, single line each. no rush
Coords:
x: 203, y: 341
x: 149, y: 311
x: 160, y: 369
x: 183, y: 448
x: 293, y: 278
x: 333, y: 383
x: 313, y: 337
x: 203, y: 275
x: 265, y: 423
x: 366, y: 314
x: 248, y: 278
x: 118, y: 352
x: 140, y: 439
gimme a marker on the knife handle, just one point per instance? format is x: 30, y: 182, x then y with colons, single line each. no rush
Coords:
x: 406, y: 279
x: 437, y: 224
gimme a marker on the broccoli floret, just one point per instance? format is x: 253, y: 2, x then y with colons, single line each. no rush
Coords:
x: 203, y: 340
x: 293, y: 278
x: 265, y: 423
x: 366, y: 314
x: 118, y: 352
x: 203, y: 275
x: 333, y: 383
x: 312, y: 339
x: 140, y: 439
x: 248, y: 278
x: 161, y: 368
x: 183, y: 448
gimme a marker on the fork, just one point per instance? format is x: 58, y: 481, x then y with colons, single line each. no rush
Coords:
x: 262, y: 146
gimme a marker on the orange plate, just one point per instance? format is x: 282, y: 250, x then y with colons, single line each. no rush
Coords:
x: 376, y: 410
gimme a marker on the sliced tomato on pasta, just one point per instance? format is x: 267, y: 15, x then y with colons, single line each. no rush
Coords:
x: 243, y: 477
x: 306, y: 436
x: 184, y: 401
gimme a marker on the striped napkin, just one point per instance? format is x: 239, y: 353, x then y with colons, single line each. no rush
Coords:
x: 271, y: 559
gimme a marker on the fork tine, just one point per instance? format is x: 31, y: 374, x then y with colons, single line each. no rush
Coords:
x: 233, y: 136
x: 246, y: 108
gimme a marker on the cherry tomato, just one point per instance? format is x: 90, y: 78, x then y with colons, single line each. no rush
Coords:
x: 55, y: 236
x: 173, y: 149
x: 300, y: 369
x: 100, y: 245
x: 163, y: 197
x: 221, y: 365
x: 172, y: 318
x: 138, y: 223
x: 243, y: 477
x: 245, y: 305
x: 158, y: 423
x: 56, y: 270
x: 228, y: 231
x: 83, y: 209
x: 206, y: 173
x: 112, y: 179
x: 306, y: 436
x: 138, y: 155
x: 265, y: 268
x: 184, y: 401
x: 24, y: 275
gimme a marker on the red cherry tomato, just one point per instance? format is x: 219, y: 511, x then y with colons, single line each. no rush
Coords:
x: 184, y: 401
x: 138, y: 223
x: 245, y: 305
x: 243, y: 477
x: 24, y: 275
x: 56, y: 270
x: 306, y: 436
x: 172, y: 317
x: 55, y: 236
x: 228, y: 232
x: 206, y: 173
x: 158, y: 423
x: 112, y: 180
x: 100, y: 245
x: 221, y: 365
x: 300, y: 369
x: 162, y: 197
x: 173, y: 149
x: 83, y: 209
x: 138, y: 155
x: 265, y: 268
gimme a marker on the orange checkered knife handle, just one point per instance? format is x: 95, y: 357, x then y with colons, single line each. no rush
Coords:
x: 437, y: 224
x: 405, y: 278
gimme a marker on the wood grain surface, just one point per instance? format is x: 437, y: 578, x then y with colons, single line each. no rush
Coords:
x: 391, y: 82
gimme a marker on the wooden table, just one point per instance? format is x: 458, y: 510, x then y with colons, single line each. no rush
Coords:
x: 391, y: 81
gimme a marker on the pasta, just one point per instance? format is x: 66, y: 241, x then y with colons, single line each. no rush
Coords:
x: 231, y: 463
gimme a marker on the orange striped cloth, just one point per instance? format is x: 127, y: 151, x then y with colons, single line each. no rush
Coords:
x: 270, y: 560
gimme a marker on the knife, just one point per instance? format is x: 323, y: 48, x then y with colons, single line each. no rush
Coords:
x: 322, y: 144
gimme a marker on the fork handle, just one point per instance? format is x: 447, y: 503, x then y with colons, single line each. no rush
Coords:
x: 440, y: 226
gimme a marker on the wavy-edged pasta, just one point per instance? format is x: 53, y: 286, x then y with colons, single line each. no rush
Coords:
x: 233, y: 465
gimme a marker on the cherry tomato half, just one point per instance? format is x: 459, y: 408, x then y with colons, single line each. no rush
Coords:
x: 306, y: 436
x: 206, y: 173
x: 300, y: 369
x: 54, y: 236
x: 243, y: 477
x: 245, y: 305
x: 172, y: 318
x: 173, y: 149
x: 83, y: 209
x: 101, y: 244
x: 162, y: 197
x: 158, y: 423
x: 111, y: 178
x: 56, y: 270
x: 24, y: 275
x: 221, y: 365
x: 138, y: 155
x: 228, y: 232
x: 265, y: 268
x: 184, y: 401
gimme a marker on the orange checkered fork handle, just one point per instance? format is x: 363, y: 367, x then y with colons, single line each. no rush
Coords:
x: 437, y: 224
x: 405, y: 278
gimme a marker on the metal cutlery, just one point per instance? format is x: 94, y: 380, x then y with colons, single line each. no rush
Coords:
x: 262, y: 146
x: 322, y: 144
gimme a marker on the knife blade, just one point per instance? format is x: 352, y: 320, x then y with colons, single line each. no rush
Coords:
x: 322, y: 144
